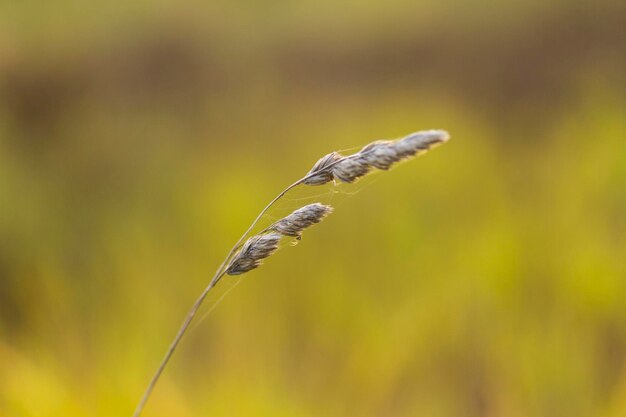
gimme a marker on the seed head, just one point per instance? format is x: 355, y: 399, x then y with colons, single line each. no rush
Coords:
x: 294, y: 224
x: 320, y: 173
x: 381, y: 154
x: 262, y: 245
x: 252, y: 253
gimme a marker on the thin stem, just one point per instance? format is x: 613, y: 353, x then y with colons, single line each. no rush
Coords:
x: 175, y: 342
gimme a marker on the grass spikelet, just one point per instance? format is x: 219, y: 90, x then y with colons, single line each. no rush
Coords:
x: 382, y: 154
x: 253, y: 252
x: 320, y: 173
x: 294, y: 224
x: 264, y: 244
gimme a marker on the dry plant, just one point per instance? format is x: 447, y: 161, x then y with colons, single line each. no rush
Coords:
x: 245, y: 256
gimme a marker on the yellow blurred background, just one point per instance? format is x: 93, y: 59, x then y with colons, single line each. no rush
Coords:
x: 138, y: 139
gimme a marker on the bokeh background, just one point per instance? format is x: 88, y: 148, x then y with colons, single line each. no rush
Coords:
x: 139, y: 138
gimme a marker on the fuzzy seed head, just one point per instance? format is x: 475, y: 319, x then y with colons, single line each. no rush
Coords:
x: 381, y: 154
x: 252, y: 252
x: 320, y: 173
x: 294, y: 224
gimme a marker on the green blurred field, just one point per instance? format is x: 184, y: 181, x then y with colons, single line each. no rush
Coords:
x: 487, y: 278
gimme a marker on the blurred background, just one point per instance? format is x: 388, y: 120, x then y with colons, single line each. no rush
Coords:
x: 139, y: 138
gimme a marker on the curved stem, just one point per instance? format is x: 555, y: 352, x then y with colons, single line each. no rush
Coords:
x: 174, y: 344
